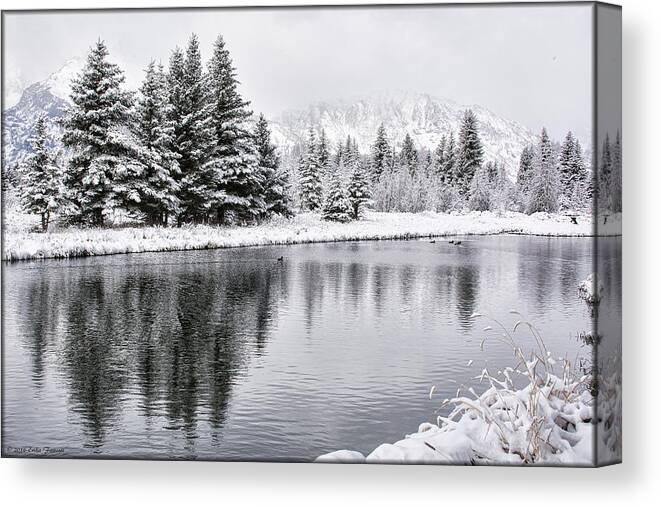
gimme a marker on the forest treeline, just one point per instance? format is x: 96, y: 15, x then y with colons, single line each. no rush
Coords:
x: 185, y: 148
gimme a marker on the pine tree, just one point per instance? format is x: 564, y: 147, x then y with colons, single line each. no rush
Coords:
x: 158, y: 187
x: 102, y: 169
x: 336, y: 206
x: 275, y: 181
x: 323, y: 153
x: 481, y: 188
x: 233, y: 157
x: 198, y: 186
x: 616, y: 175
x: 439, y: 158
x: 381, y: 154
x: 526, y: 170
x: 450, y: 160
x: 310, y: 179
x: 568, y: 168
x: 605, y: 170
x: 408, y: 156
x: 544, y: 185
x: 470, y: 153
x: 41, y: 182
x: 358, y: 191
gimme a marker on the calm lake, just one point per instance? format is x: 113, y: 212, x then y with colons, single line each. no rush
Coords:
x: 234, y: 354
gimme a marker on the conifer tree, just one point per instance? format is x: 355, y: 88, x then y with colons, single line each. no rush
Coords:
x: 275, y: 180
x: 616, y: 175
x: 198, y: 186
x: 41, y: 182
x: 336, y: 206
x: 469, y: 153
x: 323, y: 152
x: 102, y: 169
x: 439, y: 158
x: 526, y: 170
x: 568, y: 168
x: 605, y: 170
x: 481, y: 188
x: 310, y: 178
x: 358, y: 191
x: 408, y: 156
x: 158, y: 187
x: 544, y: 185
x: 239, y: 182
x: 381, y: 154
x: 449, y: 160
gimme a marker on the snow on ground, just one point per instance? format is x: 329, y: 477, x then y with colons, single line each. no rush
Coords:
x: 545, y: 424
x: 19, y: 243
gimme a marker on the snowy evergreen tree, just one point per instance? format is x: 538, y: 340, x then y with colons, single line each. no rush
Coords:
x: 381, y: 159
x: 440, y: 158
x: 526, y: 171
x: 481, y: 188
x: 41, y: 182
x: 469, y: 152
x: 323, y: 153
x: 102, y: 171
x: 239, y: 182
x: 275, y: 181
x: 544, y: 185
x: 605, y: 170
x: 447, y: 170
x: 336, y: 206
x: 189, y: 96
x: 310, y: 178
x: 408, y: 156
x: 616, y: 175
x: 569, y: 170
x: 154, y: 128
x: 358, y: 191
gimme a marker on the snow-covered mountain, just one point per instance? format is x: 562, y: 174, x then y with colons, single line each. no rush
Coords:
x: 424, y: 117
x: 50, y: 96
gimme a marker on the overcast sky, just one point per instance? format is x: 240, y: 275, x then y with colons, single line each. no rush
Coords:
x: 530, y: 64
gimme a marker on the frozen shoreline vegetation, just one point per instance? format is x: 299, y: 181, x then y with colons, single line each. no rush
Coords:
x: 541, y: 412
x: 488, y: 430
x: 304, y: 228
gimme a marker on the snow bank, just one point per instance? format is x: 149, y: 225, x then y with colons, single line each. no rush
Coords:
x: 539, y: 424
x: 591, y: 288
x: 304, y: 228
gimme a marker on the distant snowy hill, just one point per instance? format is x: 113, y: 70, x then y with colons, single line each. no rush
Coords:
x: 50, y: 96
x: 424, y: 117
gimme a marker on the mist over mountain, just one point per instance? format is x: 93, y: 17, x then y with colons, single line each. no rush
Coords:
x: 424, y: 117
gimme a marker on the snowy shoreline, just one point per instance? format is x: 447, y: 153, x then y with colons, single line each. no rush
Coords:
x: 304, y: 228
x: 548, y: 422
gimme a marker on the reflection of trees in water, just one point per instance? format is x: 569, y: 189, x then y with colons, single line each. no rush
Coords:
x: 356, y: 286
x: 538, y: 272
x: 381, y: 276
x: 568, y: 274
x: 407, y: 279
x: 177, y: 336
x: 95, y: 363
x: 39, y: 323
x: 313, y: 290
x: 466, y: 281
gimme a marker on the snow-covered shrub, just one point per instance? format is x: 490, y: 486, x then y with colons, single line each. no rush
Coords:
x: 591, y: 288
